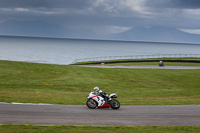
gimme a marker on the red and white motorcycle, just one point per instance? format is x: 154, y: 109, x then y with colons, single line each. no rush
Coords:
x: 96, y: 101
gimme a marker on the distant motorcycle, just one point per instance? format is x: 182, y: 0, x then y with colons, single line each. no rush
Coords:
x: 161, y: 64
x: 96, y: 101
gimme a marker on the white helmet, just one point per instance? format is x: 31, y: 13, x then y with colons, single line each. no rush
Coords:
x: 96, y: 89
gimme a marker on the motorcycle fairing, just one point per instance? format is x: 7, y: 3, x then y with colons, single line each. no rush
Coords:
x: 105, y: 105
x: 100, y: 100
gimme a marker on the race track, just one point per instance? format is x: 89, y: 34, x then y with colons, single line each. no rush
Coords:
x: 179, y: 115
x: 150, y: 67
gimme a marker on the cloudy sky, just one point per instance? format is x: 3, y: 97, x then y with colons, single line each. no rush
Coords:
x: 105, y: 16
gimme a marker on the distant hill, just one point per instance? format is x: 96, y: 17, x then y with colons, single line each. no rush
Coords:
x: 157, y: 34
x: 46, y: 29
x: 30, y: 28
x: 42, y: 29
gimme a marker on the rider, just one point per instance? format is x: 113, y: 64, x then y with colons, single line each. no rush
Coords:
x: 161, y: 63
x: 100, y: 93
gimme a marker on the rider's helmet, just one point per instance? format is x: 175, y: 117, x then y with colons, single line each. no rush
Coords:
x: 96, y: 89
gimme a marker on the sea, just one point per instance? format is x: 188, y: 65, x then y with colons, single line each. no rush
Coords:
x: 64, y: 51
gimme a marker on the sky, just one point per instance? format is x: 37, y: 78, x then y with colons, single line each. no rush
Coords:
x: 105, y: 16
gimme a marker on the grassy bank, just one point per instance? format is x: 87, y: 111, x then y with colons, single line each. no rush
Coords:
x: 90, y: 129
x: 151, y: 61
x: 148, y: 64
x: 61, y: 84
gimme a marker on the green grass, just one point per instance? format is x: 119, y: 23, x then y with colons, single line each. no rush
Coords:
x: 144, y: 61
x: 150, y: 64
x: 66, y: 84
x: 91, y: 129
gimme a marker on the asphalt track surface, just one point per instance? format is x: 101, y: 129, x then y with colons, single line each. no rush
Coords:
x: 43, y: 114
x: 180, y: 115
x: 151, y: 67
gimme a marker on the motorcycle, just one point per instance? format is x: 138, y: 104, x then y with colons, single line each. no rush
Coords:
x: 96, y: 101
x: 161, y: 64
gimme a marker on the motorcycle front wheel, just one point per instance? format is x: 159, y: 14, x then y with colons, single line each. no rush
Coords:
x: 115, y: 104
x: 91, y: 103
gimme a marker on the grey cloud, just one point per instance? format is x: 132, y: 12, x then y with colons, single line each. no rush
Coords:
x: 44, y: 3
x: 94, y: 14
x: 188, y: 4
x: 182, y: 4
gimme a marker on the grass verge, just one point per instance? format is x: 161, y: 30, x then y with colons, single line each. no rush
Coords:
x: 61, y: 84
x: 151, y: 61
x: 90, y: 129
x: 148, y: 64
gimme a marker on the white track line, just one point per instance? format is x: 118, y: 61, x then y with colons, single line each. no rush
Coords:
x: 26, y: 103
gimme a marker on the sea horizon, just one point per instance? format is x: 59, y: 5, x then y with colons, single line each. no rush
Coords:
x: 93, y: 39
x: 67, y: 50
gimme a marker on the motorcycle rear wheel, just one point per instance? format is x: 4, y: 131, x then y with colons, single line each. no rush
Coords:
x: 115, y: 104
x: 91, y: 103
